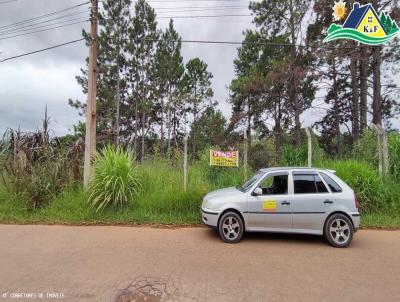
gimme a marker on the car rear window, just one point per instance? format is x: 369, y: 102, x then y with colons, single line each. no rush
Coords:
x: 335, y: 188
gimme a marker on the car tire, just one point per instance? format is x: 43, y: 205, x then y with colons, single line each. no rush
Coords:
x: 231, y: 227
x: 339, y: 230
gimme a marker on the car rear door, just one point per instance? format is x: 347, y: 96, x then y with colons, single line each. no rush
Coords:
x: 272, y: 209
x: 310, y: 197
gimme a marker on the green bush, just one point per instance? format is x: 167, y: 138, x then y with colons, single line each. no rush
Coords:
x: 293, y: 156
x: 394, y: 154
x: 37, y: 178
x: 365, y: 149
x: 262, y: 155
x: 116, y: 181
x: 374, y: 194
x: 220, y: 177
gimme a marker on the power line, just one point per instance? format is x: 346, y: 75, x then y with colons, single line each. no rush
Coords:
x: 47, y: 26
x: 173, y: 1
x: 200, y: 10
x: 40, y: 50
x: 7, y: 31
x: 4, y: 2
x: 195, y: 7
x: 42, y: 16
x: 38, y: 31
x: 260, y: 43
x: 201, y: 16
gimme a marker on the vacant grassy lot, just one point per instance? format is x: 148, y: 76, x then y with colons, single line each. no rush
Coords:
x: 162, y: 200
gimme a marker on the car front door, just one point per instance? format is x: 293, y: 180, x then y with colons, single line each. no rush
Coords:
x: 309, y: 201
x: 269, y: 205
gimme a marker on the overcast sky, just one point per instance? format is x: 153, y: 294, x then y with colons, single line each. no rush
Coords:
x: 28, y: 84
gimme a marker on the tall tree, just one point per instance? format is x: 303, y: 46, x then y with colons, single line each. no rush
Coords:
x: 285, y: 18
x: 197, y: 86
x: 170, y: 70
x: 113, y: 22
x: 141, y: 47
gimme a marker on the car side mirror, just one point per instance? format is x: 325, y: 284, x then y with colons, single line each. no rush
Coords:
x: 257, y: 191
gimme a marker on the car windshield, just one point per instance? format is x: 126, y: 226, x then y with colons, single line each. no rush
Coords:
x: 248, y: 184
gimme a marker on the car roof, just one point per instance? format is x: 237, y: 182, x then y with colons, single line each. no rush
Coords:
x: 271, y: 169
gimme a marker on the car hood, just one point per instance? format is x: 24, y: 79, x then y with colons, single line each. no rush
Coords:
x: 226, y: 192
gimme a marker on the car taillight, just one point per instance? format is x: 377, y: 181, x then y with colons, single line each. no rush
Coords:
x: 356, y: 200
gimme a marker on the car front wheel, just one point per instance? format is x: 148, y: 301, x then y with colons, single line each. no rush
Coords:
x: 339, y: 230
x: 230, y: 227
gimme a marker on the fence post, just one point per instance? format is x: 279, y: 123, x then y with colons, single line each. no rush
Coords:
x: 379, y: 147
x: 245, y: 159
x: 185, y: 164
x: 385, y: 152
x: 309, y: 140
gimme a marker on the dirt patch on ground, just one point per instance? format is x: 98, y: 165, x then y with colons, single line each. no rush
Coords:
x: 149, y: 290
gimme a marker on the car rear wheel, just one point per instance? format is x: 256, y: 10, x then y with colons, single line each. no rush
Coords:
x: 339, y: 230
x: 230, y: 227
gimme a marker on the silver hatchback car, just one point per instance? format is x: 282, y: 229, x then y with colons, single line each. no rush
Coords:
x: 288, y: 200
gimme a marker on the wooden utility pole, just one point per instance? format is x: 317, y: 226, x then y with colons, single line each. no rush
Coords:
x: 90, y: 139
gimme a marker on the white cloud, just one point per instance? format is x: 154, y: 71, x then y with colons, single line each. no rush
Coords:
x: 27, y: 89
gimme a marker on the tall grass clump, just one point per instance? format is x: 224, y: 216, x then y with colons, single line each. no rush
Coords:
x: 37, y: 168
x: 374, y: 194
x: 293, y: 156
x: 116, y: 180
x: 394, y: 153
x: 220, y: 177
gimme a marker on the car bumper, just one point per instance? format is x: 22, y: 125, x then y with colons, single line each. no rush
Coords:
x: 209, y: 217
x: 356, y: 220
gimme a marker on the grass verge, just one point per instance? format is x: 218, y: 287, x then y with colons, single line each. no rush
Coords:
x: 163, y: 201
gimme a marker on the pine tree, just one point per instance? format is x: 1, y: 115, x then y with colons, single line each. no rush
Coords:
x: 169, y: 71
x: 142, y: 38
x: 198, y: 91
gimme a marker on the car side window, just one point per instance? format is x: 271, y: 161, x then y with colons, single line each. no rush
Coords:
x: 335, y: 188
x: 304, y: 184
x: 276, y: 184
x: 308, y: 184
x: 321, y: 188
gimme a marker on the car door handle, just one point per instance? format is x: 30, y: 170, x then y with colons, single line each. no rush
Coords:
x: 285, y: 203
x: 328, y: 201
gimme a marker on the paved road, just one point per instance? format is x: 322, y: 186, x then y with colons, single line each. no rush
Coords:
x: 192, y: 264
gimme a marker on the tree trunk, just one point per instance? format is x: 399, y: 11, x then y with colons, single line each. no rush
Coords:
x: 194, y: 129
x: 294, y: 94
x: 355, y: 100
x: 336, y: 109
x: 118, y: 99
x: 249, y: 131
x: 376, y: 67
x: 377, y: 98
x: 162, y: 126
x: 363, y: 88
x: 136, y: 125
x: 143, y: 134
x: 278, y: 130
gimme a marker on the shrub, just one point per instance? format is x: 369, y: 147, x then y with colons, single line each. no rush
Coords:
x: 394, y: 153
x: 262, y: 155
x: 220, y: 177
x: 115, y: 180
x: 293, y: 156
x: 374, y: 193
x: 365, y: 149
x: 36, y: 166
